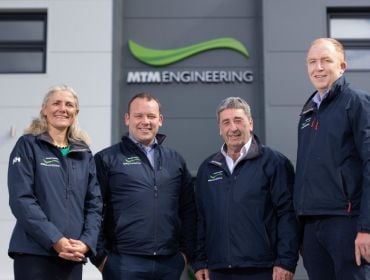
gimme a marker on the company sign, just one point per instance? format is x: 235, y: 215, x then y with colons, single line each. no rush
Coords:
x: 161, y: 58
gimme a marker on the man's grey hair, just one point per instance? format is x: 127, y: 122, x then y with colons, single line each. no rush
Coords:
x: 234, y: 103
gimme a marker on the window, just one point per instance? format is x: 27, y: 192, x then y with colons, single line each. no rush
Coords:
x: 22, y: 42
x: 352, y: 28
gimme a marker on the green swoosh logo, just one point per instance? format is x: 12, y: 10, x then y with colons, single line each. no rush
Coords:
x: 132, y: 159
x: 165, y: 57
x: 51, y: 161
x: 215, y: 175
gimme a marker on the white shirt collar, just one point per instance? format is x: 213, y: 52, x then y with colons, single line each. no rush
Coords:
x: 243, y: 153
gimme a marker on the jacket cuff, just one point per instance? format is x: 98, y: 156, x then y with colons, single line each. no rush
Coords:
x: 198, y: 265
x: 286, y: 266
x: 363, y: 228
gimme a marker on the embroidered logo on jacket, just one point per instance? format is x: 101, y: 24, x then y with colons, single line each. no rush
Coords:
x: 132, y: 161
x: 16, y: 159
x: 50, y: 161
x: 305, y: 123
x: 215, y: 176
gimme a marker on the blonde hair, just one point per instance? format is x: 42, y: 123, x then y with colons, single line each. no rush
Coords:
x: 39, y: 125
x: 337, y: 45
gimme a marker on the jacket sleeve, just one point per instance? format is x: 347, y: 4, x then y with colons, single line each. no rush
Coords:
x: 359, y: 114
x: 287, y: 224
x: 92, y: 210
x: 187, y: 213
x: 22, y: 199
x: 102, y: 247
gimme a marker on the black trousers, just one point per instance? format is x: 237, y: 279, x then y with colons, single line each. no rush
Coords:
x: 45, y: 268
x: 242, y: 274
x: 135, y: 267
x: 329, y: 249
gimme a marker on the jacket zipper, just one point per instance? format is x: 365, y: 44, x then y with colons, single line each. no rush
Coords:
x: 156, y: 194
x: 229, y: 193
x: 314, y: 128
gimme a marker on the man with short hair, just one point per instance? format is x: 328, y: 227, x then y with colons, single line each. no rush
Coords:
x: 247, y: 228
x: 148, y: 231
x: 332, y: 186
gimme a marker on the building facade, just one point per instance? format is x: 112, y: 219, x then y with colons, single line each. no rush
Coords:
x: 191, y: 54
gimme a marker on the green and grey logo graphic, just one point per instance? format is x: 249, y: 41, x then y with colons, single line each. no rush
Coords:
x: 50, y: 161
x: 155, y: 57
x: 215, y: 176
x: 131, y: 161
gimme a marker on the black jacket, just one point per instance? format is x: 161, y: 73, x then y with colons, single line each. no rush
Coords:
x: 146, y: 211
x: 52, y: 196
x: 246, y: 219
x: 333, y: 160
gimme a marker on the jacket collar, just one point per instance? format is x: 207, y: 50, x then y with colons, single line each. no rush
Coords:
x: 76, y: 145
x: 160, y: 138
x: 253, y: 152
x: 334, y: 91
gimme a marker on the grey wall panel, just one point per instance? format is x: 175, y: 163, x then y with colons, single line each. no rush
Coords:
x: 281, y: 129
x: 359, y: 80
x: 286, y: 80
x: 290, y: 25
x: 190, y: 8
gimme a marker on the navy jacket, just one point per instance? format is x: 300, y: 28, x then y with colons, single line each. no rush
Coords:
x: 333, y: 160
x: 147, y: 211
x: 52, y: 196
x: 246, y: 219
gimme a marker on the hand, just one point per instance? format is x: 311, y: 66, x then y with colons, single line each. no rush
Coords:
x: 362, y: 247
x: 61, y: 245
x: 72, y: 256
x: 79, y: 246
x: 279, y: 273
x: 71, y: 249
x: 202, y: 274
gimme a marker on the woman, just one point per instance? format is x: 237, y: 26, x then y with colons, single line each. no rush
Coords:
x: 53, y: 193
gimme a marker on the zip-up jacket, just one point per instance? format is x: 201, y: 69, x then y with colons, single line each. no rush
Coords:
x: 52, y: 196
x: 333, y: 160
x: 246, y: 219
x: 147, y: 211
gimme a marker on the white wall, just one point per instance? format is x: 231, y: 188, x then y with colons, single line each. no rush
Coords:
x: 79, y: 53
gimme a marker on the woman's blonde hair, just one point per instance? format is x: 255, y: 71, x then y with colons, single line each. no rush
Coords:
x: 39, y: 125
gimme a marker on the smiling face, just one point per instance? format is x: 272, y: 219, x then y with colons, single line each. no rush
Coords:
x: 60, y: 110
x: 235, y: 128
x: 143, y: 120
x: 325, y: 64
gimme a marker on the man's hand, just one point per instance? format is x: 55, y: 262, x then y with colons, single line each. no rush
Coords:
x: 279, y: 273
x: 202, y: 274
x: 362, y: 247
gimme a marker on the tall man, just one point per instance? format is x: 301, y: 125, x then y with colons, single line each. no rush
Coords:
x: 332, y: 187
x: 149, y: 223
x: 247, y: 228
